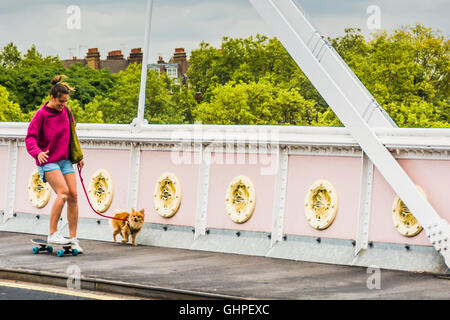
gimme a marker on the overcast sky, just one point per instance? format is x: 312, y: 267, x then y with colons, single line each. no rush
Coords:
x: 119, y: 24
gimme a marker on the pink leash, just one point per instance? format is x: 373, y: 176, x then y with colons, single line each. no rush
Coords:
x: 82, y: 183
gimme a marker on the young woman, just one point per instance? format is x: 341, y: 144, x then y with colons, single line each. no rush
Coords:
x: 47, y: 141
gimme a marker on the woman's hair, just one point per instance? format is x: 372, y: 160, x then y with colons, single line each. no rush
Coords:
x: 59, y: 88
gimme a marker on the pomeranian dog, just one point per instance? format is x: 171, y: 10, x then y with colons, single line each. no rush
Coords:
x: 130, y: 227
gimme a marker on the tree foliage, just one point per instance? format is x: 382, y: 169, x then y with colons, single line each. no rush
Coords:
x: 9, y: 111
x: 245, y: 81
x: 255, y: 103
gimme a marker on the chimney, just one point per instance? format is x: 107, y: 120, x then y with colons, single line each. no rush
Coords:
x: 160, y: 60
x: 93, y: 58
x: 180, y: 58
x: 135, y: 56
x: 115, y: 55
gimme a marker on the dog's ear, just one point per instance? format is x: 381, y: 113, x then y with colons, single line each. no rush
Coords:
x: 142, y: 210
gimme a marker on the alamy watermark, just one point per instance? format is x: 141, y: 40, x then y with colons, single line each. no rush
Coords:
x: 73, y: 21
x: 374, y: 281
x: 374, y: 20
x: 74, y: 278
x: 239, y: 145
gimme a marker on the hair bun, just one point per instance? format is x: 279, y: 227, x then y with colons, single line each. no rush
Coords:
x: 57, y: 80
x: 59, y: 87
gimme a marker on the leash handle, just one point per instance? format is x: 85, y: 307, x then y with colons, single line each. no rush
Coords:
x: 82, y: 184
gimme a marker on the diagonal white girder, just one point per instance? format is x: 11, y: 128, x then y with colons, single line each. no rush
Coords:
x: 353, y: 104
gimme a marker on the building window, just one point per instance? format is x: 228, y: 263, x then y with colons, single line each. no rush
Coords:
x: 172, y: 73
x: 155, y: 69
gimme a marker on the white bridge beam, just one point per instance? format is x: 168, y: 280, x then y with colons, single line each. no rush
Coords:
x: 353, y: 104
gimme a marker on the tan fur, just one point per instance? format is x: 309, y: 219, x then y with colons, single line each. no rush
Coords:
x: 135, y: 220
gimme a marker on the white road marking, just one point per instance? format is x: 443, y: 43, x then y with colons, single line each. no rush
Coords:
x: 76, y: 293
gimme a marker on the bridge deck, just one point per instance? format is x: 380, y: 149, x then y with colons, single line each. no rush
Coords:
x: 212, y: 273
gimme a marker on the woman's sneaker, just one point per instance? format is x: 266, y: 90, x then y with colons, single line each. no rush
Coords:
x: 76, y: 245
x: 56, y: 238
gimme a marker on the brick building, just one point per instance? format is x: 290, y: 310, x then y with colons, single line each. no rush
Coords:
x: 115, y: 62
x: 175, y: 69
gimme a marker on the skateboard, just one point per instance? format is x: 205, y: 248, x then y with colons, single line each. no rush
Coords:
x: 48, y: 247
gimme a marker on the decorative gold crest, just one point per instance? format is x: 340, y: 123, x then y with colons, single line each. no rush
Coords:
x: 39, y: 191
x: 404, y: 220
x: 240, y: 199
x: 321, y: 204
x: 101, y: 190
x: 167, y: 195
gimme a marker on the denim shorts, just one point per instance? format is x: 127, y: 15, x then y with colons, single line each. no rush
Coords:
x: 65, y: 166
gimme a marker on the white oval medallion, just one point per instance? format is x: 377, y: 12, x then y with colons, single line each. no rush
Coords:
x: 101, y: 190
x: 404, y: 220
x: 167, y: 195
x: 240, y: 199
x: 321, y: 204
x: 38, y: 191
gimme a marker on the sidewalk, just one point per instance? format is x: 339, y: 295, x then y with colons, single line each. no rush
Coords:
x: 200, y: 274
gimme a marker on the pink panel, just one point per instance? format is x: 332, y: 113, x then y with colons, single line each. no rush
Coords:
x: 345, y: 175
x: 220, y: 177
x: 3, y: 175
x: 116, y: 163
x: 155, y: 163
x: 433, y: 176
x: 113, y: 161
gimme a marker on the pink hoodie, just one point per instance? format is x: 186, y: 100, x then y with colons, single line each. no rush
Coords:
x: 49, y: 130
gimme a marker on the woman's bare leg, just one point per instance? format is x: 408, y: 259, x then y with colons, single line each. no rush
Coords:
x: 59, y: 186
x: 72, y: 203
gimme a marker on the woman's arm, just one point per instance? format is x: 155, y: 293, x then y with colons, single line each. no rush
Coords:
x: 31, y: 139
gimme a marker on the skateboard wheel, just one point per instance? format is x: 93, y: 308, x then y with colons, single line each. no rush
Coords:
x: 36, y: 250
x: 60, y: 253
x: 49, y: 249
x: 75, y: 252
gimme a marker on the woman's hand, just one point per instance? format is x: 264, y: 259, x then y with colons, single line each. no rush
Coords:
x: 81, y: 164
x: 42, y: 157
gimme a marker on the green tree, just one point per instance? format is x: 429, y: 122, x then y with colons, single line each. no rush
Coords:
x: 9, y: 111
x: 255, y: 103
x: 89, y: 83
x: 245, y: 60
x: 120, y: 106
x: 406, y: 71
x: 29, y: 81
x: 10, y: 56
